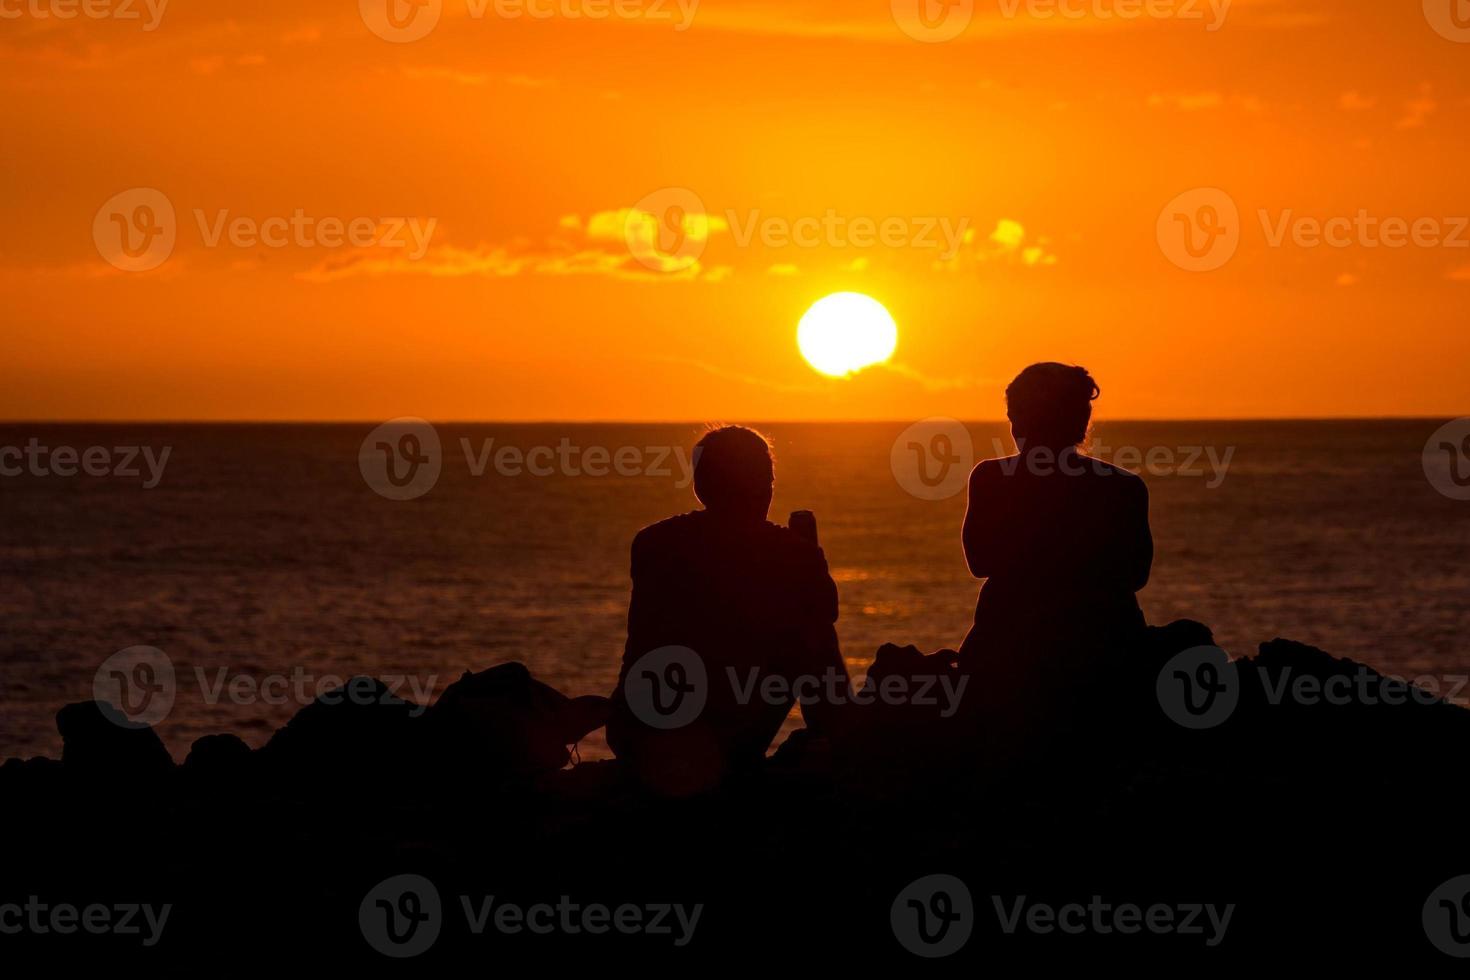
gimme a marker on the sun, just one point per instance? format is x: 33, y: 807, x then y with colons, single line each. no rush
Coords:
x: 846, y: 332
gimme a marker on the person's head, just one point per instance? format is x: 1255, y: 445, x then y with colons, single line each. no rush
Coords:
x: 1050, y: 405
x: 733, y: 472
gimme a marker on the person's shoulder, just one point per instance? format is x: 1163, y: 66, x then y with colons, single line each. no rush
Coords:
x: 783, y: 541
x: 993, y: 469
x: 668, y: 529
x: 1127, y: 478
x: 780, y: 534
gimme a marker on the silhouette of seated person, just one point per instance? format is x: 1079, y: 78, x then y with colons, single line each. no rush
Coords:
x: 1062, y: 541
x: 754, y: 603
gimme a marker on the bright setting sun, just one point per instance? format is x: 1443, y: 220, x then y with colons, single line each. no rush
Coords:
x: 846, y: 332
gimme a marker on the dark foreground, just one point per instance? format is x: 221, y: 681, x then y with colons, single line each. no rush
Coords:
x: 1299, y: 829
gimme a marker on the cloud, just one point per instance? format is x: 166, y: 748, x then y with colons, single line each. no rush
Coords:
x: 1462, y: 274
x: 1347, y: 279
x: 783, y: 269
x: 213, y: 63
x: 1353, y: 102
x: 844, y: 20
x: 1008, y: 234
x: 1187, y: 101
x: 1419, y: 108
x: 445, y: 74
x: 1204, y: 101
x: 652, y: 241
x: 306, y: 34
x: 1007, y: 243
x: 616, y: 244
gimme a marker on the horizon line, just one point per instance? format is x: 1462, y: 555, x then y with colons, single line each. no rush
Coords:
x: 708, y: 421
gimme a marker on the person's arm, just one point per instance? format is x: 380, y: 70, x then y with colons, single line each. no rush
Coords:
x: 988, y: 537
x: 821, y: 654
x: 1137, y: 546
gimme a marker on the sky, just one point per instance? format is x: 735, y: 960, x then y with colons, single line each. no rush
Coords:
x: 620, y: 209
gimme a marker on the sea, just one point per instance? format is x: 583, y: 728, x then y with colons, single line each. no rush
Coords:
x: 268, y: 562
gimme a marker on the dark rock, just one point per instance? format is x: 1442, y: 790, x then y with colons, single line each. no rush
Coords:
x: 1297, y: 697
x: 217, y: 756
x: 503, y: 722
x: 358, y: 729
x: 19, y: 777
x: 98, y: 740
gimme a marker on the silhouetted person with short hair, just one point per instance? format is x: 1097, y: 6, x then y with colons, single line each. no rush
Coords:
x: 755, y: 603
x: 1061, y: 539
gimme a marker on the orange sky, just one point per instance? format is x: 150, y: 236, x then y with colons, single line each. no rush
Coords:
x: 517, y: 144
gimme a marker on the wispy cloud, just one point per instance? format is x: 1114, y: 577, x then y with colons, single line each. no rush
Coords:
x: 617, y: 244
x: 1009, y: 242
x: 1418, y: 109
x: 1204, y: 101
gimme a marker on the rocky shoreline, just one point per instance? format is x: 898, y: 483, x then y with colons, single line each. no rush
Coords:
x: 1323, y: 809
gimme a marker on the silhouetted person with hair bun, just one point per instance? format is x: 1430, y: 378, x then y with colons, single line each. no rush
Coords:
x: 1061, y: 539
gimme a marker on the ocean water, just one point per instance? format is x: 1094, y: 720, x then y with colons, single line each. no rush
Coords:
x: 263, y: 563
